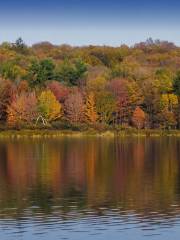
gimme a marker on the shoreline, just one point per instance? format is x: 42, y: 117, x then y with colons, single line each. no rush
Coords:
x: 69, y: 133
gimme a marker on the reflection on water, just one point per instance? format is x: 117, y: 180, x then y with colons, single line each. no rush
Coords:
x: 93, y: 188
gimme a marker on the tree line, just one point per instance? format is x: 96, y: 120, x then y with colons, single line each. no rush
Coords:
x: 98, y: 87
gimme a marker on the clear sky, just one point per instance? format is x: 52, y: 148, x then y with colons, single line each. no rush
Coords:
x: 83, y: 22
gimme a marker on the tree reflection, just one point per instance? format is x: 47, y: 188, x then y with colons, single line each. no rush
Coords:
x: 129, y: 174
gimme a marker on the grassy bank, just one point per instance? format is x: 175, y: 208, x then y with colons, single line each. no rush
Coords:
x: 69, y: 133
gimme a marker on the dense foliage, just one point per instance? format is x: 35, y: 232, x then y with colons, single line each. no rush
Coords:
x: 93, y: 86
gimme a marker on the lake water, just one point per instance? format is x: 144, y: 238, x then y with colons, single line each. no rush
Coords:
x: 90, y: 189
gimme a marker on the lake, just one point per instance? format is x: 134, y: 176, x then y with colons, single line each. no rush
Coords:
x: 90, y: 188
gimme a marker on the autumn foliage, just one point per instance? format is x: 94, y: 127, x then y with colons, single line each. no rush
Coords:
x: 138, y: 118
x: 112, y: 87
x: 23, y: 109
x: 59, y: 90
x: 74, y: 107
x: 90, y: 109
x: 48, y: 107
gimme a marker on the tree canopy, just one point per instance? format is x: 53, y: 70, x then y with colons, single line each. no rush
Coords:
x: 92, y: 84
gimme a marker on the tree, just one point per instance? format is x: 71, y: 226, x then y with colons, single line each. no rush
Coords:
x: 59, y: 90
x: 49, y: 108
x: 176, y: 90
x: 96, y: 84
x: 81, y: 69
x: 90, y: 108
x: 168, y: 102
x: 166, y: 119
x: 125, y: 69
x: 151, y: 101
x: 119, y: 89
x: 71, y: 74
x: 74, y: 107
x: 134, y: 94
x: 163, y: 80
x: 40, y: 72
x: 23, y: 109
x: 106, y: 107
x: 23, y: 86
x: 138, y: 118
x: 7, y: 95
x: 176, y: 84
x: 20, y: 46
x: 10, y: 70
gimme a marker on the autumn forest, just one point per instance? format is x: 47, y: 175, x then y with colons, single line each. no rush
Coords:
x: 90, y: 87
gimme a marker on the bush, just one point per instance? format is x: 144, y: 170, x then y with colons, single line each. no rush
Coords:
x: 79, y: 127
x: 65, y: 125
x: 3, y: 126
x: 101, y: 127
x: 61, y: 125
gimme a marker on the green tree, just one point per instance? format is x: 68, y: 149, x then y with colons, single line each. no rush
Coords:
x: 41, y: 71
x: 10, y: 70
x: 106, y: 107
x: 20, y: 45
x: 72, y: 74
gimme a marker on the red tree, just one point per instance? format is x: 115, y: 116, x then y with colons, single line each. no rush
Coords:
x: 8, y: 92
x: 74, y: 107
x: 118, y: 87
x: 59, y: 90
x: 23, y: 109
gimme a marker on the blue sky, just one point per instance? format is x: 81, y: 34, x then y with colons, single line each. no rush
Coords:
x: 83, y: 22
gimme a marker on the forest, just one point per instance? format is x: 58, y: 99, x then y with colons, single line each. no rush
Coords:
x: 90, y: 87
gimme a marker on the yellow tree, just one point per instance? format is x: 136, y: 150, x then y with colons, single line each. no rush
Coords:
x: 49, y: 108
x: 90, y: 109
x: 168, y: 101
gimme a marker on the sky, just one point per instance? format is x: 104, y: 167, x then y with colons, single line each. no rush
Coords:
x: 84, y: 22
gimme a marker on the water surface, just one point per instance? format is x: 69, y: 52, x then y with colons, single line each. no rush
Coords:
x: 90, y: 188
